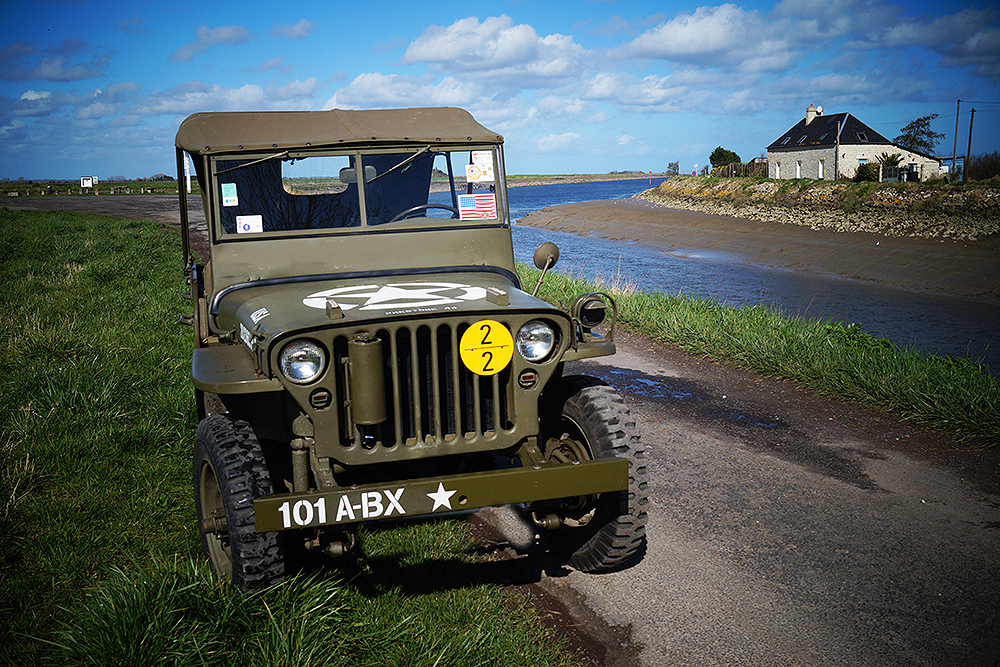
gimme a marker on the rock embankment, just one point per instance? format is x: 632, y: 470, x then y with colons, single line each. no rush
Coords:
x: 891, y: 209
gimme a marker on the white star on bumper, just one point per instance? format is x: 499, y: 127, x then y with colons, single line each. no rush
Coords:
x: 441, y: 497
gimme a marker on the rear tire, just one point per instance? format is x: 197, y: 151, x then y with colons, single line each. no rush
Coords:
x: 229, y: 473
x: 605, y: 532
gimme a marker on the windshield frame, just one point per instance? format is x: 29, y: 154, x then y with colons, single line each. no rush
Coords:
x: 455, y: 184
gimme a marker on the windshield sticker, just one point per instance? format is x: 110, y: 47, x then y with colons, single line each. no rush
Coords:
x: 479, y: 173
x: 408, y: 297
x: 249, y: 224
x: 477, y: 207
x: 229, y: 197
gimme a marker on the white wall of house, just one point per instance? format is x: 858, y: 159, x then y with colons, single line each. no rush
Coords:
x: 819, y: 163
x: 854, y: 155
x: 808, y: 163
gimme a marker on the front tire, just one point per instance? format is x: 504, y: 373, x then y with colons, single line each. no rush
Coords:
x: 589, y: 420
x: 229, y: 472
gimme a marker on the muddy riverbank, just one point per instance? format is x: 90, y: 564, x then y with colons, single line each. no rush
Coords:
x: 959, y: 268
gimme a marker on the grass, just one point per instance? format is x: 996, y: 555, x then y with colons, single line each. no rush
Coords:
x: 949, y: 393
x: 101, y: 561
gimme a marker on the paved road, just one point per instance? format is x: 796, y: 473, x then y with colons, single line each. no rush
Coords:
x: 792, y: 529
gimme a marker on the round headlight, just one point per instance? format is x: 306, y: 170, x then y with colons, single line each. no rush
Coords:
x: 535, y: 340
x: 302, y: 361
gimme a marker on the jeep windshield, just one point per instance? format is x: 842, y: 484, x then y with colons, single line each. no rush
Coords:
x: 296, y: 191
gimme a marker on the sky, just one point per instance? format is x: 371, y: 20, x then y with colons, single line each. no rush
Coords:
x: 582, y: 86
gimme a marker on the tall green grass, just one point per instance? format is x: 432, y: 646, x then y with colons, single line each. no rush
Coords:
x: 100, y: 561
x: 948, y: 393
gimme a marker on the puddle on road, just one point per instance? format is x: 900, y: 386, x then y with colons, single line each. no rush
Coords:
x: 769, y: 435
x: 654, y: 387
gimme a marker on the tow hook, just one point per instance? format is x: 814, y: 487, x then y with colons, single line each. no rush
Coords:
x: 215, y: 524
x: 341, y: 548
x: 548, y: 522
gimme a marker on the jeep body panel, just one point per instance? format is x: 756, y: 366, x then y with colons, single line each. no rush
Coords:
x: 367, y: 321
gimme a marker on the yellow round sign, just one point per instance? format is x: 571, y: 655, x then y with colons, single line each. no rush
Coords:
x: 486, y: 347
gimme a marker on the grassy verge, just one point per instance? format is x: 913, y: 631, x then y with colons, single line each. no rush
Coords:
x: 947, y: 393
x: 100, y: 556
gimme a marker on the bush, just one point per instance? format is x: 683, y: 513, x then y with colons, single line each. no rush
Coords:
x: 983, y: 167
x: 867, y: 172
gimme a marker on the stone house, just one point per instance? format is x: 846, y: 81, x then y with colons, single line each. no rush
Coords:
x: 822, y: 147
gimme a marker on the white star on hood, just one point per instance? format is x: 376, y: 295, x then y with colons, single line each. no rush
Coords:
x: 441, y: 497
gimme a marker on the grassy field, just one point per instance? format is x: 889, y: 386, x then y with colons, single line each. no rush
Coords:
x: 948, y: 393
x: 100, y: 555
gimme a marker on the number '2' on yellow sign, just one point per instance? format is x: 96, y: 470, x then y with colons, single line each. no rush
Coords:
x: 486, y: 347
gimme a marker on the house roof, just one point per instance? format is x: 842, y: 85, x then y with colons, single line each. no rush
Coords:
x: 822, y: 131
x: 204, y: 133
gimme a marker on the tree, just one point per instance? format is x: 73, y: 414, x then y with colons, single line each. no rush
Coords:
x: 720, y: 156
x: 887, y: 160
x: 918, y: 136
x: 674, y: 168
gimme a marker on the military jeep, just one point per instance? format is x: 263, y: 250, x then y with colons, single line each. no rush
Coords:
x: 365, y: 351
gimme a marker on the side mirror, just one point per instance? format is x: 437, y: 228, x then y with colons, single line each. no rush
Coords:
x: 546, y: 256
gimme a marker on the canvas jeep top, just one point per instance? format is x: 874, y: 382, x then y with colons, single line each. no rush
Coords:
x: 364, y: 348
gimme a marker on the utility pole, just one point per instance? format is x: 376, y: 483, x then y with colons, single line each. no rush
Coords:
x: 968, y: 151
x: 954, y: 148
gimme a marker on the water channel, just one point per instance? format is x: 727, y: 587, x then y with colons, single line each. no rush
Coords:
x: 925, y: 322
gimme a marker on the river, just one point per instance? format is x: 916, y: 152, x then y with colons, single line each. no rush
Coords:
x: 924, y: 322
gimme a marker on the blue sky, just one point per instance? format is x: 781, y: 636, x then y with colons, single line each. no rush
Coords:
x: 99, y: 87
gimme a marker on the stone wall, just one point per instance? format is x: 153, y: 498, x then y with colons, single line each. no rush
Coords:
x: 967, y: 213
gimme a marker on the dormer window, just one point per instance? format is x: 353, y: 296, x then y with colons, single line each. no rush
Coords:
x: 862, y: 137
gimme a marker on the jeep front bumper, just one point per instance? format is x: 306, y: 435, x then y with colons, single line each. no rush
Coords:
x: 435, y: 495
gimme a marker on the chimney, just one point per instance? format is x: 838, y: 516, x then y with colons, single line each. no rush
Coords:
x: 811, y: 113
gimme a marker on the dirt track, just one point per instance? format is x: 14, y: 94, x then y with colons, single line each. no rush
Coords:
x: 786, y: 528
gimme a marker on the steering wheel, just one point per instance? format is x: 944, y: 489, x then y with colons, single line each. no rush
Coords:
x: 423, y: 207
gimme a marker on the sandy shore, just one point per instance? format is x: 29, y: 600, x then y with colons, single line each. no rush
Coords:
x: 964, y: 269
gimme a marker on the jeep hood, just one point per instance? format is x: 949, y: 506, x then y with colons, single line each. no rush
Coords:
x: 276, y: 309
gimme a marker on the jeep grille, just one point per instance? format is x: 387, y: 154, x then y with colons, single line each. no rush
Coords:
x: 430, y: 397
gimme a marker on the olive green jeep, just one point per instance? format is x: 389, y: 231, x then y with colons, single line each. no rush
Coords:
x: 364, y: 349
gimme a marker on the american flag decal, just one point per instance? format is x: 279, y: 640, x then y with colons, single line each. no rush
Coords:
x: 477, y: 207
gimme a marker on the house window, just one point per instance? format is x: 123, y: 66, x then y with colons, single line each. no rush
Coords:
x: 862, y: 160
x: 786, y: 140
x: 821, y: 169
x: 798, y: 169
x: 822, y: 137
x: 862, y: 136
x: 802, y: 140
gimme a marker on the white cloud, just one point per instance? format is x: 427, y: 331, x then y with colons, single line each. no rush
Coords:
x: 375, y: 90
x: 21, y: 61
x: 206, y: 38
x: 497, y: 50
x: 273, y: 63
x: 721, y: 35
x: 554, y: 142
x: 197, y: 96
x: 301, y: 29
x: 132, y: 26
